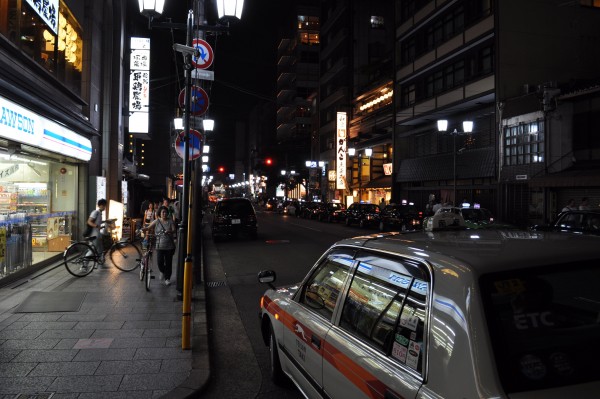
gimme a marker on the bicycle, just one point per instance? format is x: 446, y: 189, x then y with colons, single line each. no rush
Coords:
x: 146, y: 261
x: 81, y: 257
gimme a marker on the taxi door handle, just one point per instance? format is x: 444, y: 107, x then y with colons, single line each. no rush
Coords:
x: 316, y: 341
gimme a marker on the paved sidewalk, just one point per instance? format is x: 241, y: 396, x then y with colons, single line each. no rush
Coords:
x: 123, y: 342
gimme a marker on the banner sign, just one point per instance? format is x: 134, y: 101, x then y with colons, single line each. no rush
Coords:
x: 139, y: 84
x: 342, y: 119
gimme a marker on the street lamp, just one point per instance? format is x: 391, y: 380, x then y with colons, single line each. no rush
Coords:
x: 229, y: 10
x: 467, y: 128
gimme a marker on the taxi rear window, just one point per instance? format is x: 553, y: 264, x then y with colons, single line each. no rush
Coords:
x: 544, y: 324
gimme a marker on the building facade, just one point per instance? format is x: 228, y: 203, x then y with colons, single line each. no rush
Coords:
x: 460, y: 61
x: 60, y: 124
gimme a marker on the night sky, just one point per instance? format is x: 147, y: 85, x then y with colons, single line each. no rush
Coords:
x: 244, y: 67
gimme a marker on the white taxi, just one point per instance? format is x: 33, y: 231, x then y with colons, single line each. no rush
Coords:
x: 441, y: 314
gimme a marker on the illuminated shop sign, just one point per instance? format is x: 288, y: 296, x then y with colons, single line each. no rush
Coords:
x: 139, y: 85
x: 20, y: 124
x: 340, y: 168
x: 48, y: 11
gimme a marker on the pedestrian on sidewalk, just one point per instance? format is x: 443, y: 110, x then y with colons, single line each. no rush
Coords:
x: 164, y: 230
x: 94, y: 221
x: 570, y: 206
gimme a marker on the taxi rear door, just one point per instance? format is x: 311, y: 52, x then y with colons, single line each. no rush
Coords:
x: 376, y: 349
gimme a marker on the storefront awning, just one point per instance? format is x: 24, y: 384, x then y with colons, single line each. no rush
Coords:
x: 380, y: 182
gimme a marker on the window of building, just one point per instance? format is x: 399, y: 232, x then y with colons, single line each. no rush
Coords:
x: 524, y: 143
x: 377, y: 22
x: 38, y: 202
x: 449, y: 76
x: 444, y: 27
x: 308, y: 38
x: 60, y: 54
x: 307, y: 22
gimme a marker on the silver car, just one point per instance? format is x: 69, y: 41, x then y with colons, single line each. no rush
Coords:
x: 443, y: 314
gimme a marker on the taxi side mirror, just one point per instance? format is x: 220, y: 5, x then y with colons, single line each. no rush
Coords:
x: 267, y: 277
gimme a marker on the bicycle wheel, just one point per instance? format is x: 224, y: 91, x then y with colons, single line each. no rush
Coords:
x: 143, y: 263
x: 79, y: 259
x: 148, y: 275
x: 125, y: 256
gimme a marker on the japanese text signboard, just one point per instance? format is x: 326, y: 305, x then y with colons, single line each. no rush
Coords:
x: 139, y: 85
x: 340, y: 157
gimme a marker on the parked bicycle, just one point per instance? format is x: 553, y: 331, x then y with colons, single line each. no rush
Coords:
x: 81, y: 257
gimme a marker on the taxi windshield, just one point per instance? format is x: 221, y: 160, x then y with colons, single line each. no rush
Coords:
x: 544, y: 324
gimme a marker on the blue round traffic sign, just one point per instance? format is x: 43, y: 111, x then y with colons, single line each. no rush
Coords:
x: 194, y: 146
x: 198, y: 103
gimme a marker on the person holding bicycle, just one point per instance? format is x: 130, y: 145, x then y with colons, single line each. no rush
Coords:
x: 95, y: 222
x: 164, y: 231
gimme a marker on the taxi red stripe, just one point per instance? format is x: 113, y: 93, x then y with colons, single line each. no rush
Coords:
x: 356, y: 374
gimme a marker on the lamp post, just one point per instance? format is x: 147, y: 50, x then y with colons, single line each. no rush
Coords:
x: 442, y: 125
x: 228, y: 10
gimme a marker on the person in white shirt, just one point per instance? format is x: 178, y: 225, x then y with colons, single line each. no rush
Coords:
x: 570, y: 206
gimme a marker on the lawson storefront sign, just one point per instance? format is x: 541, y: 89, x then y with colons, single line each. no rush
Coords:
x: 21, y: 125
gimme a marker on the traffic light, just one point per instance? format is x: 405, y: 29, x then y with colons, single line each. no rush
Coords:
x: 221, y: 169
x: 268, y: 161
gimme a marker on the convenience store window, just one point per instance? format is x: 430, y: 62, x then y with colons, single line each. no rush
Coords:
x: 37, y: 210
x: 61, y: 53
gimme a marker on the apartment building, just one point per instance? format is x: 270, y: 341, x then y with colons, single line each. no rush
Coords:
x: 460, y: 61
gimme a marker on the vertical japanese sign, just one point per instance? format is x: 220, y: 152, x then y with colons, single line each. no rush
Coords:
x: 139, y: 85
x: 342, y: 120
x: 48, y: 11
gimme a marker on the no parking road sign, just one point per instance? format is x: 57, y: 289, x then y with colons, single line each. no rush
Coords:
x: 206, y: 56
x: 198, y: 103
x: 194, y: 146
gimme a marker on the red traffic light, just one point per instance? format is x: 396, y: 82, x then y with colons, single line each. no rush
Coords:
x: 268, y: 161
x: 221, y: 169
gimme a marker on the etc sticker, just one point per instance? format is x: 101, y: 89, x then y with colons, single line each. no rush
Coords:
x: 412, y: 357
x: 409, y: 322
x: 402, y: 340
x: 399, y: 352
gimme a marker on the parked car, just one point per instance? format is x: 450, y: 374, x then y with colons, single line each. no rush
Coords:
x: 330, y: 211
x: 308, y: 210
x: 363, y: 214
x: 233, y: 216
x: 403, y: 217
x: 477, y: 217
x: 442, y: 314
x: 271, y: 204
x: 448, y: 217
x: 576, y: 222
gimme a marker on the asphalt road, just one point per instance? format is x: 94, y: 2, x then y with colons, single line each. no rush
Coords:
x: 239, y: 358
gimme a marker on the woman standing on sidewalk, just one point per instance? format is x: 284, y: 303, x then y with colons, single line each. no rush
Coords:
x: 164, y: 229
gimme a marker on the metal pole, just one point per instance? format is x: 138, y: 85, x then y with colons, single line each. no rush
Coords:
x: 182, y: 264
x: 454, y: 163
